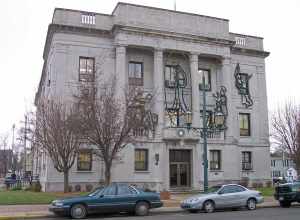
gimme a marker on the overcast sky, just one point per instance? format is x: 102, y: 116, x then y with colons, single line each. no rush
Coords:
x: 24, y: 26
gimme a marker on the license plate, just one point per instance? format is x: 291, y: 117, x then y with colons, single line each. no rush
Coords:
x: 280, y: 198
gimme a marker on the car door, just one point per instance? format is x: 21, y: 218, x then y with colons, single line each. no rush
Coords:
x: 226, y: 197
x: 105, y: 201
x: 127, y: 197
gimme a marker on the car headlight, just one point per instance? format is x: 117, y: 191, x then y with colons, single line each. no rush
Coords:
x: 58, y: 203
x: 194, y: 200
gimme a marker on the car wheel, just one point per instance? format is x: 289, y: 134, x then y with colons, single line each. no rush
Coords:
x: 193, y: 211
x: 251, y: 204
x: 78, y: 211
x: 209, y: 206
x: 285, y: 204
x: 142, y: 208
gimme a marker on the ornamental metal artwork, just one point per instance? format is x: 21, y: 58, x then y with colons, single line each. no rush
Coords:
x: 149, y: 119
x: 177, y: 88
x: 221, y: 107
x: 242, y: 84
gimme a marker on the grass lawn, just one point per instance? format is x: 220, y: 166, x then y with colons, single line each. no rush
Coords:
x: 266, y: 191
x: 27, y: 197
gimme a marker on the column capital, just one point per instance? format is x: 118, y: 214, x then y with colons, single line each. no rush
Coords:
x: 226, y: 60
x: 194, y: 56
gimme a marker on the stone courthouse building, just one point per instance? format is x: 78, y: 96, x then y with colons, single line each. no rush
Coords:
x: 164, y: 52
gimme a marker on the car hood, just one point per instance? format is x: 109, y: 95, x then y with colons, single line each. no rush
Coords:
x: 73, y: 199
x: 200, y: 197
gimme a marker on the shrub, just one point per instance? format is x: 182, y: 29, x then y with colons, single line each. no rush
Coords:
x: 77, y: 188
x: 260, y: 185
x: 36, y: 186
x: 88, y: 187
x: 255, y: 185
x: 70, y: 188
x: 244, y: 181
x: 269, y: 183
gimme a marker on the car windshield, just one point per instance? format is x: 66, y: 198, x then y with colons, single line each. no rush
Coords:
x: 96, y: 191
x: 213, y: 189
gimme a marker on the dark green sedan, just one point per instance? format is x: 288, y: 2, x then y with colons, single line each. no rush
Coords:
x: 111, y: 199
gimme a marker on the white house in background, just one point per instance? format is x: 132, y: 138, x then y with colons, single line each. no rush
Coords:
x: 151, y: 48
x: 282, y: 166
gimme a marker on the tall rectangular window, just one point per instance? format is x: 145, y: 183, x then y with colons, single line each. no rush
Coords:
x: 244, y: 119
x: 207, y: 77
x: 141, y: 160
x: 246, y: 160
x: 84, y: 160
x: 215, y: 159
x: 86, y: 69
x: 135, y: 73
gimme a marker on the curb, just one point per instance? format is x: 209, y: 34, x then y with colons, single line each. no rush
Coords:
x: 168, y: 210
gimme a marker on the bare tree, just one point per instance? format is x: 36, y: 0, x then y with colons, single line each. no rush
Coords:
x: 58, y: 133
x: 285, y: 125
x: 5, y: 153
x: 110, y: 121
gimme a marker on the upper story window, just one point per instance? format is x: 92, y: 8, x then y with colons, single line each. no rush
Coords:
x: 170, y: 76
x: 273, y: 163
x: 247, y: 160
x: 86, y: 69
x: 215, y: 159
x: 207, y: 77
x: 244, y: 119
x: 136, y: 73
x: 84, y: 160
x: 141, y: 160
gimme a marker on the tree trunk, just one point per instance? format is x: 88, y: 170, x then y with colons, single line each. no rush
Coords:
x: 66, y: 181
x: 107, y: 174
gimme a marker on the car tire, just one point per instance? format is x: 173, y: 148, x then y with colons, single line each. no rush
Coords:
x: 285, y: 204
x: 251, y: 204
x: 193, y: 211
x: 78, y: 211
x: 142, y: 209
x: 209, y: 206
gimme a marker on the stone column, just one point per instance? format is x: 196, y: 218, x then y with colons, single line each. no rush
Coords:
x: 195, y: 90
x: 228, y: 82
x: 158, y: 81
x: 121, y: 73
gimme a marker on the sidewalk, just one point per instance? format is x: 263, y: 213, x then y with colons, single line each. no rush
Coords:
x: 41, y: 211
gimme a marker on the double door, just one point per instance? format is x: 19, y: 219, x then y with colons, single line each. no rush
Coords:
x: 180, y: 168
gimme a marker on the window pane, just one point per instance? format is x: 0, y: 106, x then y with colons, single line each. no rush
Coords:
x: 138, y: 70
x: 141, y: 159
x: 124, y: 190
x: 84, y: 161
x: 82, y: 65
x: 90, y: 66
x: 206, y: 74
x: 131, y: 70
x: 244, y: 120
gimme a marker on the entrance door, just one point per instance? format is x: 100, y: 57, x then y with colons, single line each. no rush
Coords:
x: 180, y: 168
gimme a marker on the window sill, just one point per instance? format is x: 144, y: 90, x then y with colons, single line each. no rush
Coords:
x: 216, y: 171
x: 84, y: 171
x: 248, y: 171
x: 141, y: 171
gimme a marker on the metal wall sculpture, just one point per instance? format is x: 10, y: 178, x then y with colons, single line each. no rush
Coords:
x: 176, y: 91
x: 221, y: 107
x: 149, y: 120
x: 242, y: 84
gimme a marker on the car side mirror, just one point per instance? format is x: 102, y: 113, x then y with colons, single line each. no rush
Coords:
x: 220, y: 192
x: 101, y: 196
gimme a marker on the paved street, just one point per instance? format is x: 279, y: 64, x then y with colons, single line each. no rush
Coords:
x: 259, y: 214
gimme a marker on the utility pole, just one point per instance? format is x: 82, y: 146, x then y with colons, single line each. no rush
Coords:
x: 13, y: 148
x: 25, y: 137
x: 205, y: 161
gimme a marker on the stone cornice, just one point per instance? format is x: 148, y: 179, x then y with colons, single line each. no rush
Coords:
x: 249, y: 52
x: 172, y: 35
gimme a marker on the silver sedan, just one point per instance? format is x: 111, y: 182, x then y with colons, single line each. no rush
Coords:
x: 223, y: 196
